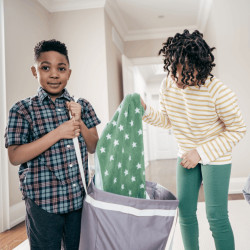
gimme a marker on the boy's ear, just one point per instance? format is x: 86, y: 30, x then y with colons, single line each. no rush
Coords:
x: 69, y: 73
x: 33, y: 70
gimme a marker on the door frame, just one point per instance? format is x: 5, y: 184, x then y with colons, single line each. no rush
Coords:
x: 4, y: 176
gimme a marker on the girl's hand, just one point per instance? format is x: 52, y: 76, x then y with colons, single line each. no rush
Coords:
x: 69, y: 129
x: 190, y: 159
x: 143, y: 104
x: 75, y: 109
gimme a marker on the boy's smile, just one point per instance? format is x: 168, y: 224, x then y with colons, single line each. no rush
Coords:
x: 52, y: 71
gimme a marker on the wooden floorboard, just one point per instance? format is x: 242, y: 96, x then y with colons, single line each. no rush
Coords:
x: 13, y: 237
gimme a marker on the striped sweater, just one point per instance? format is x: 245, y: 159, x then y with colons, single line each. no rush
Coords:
x: 207, y: 118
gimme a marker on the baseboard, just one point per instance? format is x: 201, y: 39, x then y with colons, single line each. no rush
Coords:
x: 236, y: 185
x: 17, y: 214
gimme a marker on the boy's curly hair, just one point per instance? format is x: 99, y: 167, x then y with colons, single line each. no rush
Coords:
x: 192, y: 52
x: 50, y: 45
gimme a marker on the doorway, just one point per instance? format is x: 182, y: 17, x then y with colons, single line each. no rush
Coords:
x: 144, y: 76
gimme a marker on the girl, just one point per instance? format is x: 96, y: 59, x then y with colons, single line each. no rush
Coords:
x: 207, y: 123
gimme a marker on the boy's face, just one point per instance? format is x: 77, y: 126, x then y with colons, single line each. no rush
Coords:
x: 52, y: 72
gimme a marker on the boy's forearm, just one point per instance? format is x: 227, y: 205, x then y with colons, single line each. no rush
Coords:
x: 19, y: 154
x: 90, y: 136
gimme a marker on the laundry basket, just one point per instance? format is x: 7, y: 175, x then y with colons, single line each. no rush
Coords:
x: 116, y: 222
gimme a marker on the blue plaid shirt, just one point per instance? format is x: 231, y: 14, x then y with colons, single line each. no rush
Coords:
x: 52, y: 180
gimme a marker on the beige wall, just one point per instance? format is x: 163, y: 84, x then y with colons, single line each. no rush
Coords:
x: 114, y: 69
x: 228, y: 31
x: 83, y: 31
x: 143, y: 48
x: 26, y: 23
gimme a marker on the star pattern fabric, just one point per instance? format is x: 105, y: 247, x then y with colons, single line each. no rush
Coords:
x: 120, y: 150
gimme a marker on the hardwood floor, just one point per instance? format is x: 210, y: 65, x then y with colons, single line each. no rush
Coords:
x: 160, y: 171
x: 13, y: 237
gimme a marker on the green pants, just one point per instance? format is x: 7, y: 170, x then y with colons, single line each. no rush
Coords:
x: 216, y: 182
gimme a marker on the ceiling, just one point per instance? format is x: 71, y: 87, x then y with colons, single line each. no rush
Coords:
x: 144, y: 19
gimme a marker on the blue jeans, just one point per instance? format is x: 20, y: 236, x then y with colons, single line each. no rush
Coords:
x: 49, y: 231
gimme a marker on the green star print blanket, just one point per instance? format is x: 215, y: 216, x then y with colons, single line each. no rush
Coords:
x: 119, y: 157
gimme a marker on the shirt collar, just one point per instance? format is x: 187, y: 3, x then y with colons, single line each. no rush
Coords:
x: 42, y: 94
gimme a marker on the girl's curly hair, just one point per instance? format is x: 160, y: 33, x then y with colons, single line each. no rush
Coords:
x: 192, y: 52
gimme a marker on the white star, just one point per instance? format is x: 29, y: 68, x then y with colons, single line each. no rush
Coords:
x: 119, y: 109
x: 119, y: 165
x: 129, y: 158
x: 143, y: 173
x: 115, y: 180
x: 106, y: 173
x: 126, y: 172
x: 134, y: 144
x: 138, y: 165
x: 111, y: 158
x: 126, y: 137
x: 142, y: 186
x: 133, y: 179
x: 140, y: 132
x: 126, y: 114
x: 116, y: 142
x: 137, y: 110
x: 108, y: 136
x: 102, y: 150
x: 121, y: 127
x: 132, y: 123
x: 122, y: 186
x: 130, y: 192
x: 114, y: 123
x: 122, y: 150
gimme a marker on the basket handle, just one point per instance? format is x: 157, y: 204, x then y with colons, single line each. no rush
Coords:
x: 79, y: 158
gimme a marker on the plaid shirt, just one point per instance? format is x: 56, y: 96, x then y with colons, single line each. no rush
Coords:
x: 52, y: 179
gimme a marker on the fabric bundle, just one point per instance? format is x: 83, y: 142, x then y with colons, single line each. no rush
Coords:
x: 119, y: 157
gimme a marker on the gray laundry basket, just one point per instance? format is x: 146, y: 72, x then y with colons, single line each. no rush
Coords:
x: 115, y: 222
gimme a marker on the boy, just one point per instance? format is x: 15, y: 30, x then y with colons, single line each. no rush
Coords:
x: 207, y: 124
x: 39, y: 137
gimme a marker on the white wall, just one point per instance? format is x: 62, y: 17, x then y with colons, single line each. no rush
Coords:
x: 83, y: 31
x: 26, y: 23
x: 114, y: 68
x: 228, y: 29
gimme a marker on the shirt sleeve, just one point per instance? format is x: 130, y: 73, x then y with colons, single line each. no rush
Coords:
x: 89, y: 116
x: 158, y: 118
x: 229, y: 113
x: 17, y: 129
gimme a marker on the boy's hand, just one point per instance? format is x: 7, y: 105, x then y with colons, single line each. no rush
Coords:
x: 69, y: 129
x: 190, y: 159
x: 75, y: 109
x: 143, y: 104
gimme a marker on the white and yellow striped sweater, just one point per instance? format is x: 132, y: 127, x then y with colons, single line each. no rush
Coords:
x: 206, y: 118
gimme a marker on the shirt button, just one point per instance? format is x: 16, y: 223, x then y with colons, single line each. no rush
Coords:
x: 58, y: 109
x: 71, y: 165
x: 74, y: 185
x: 68, y: 146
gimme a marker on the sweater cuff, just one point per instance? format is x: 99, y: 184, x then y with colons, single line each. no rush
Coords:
x: 147, y: 111
x: 203, y: 156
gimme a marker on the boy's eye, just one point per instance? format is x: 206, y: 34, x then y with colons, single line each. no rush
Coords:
x: 46, y: 68
x: 62, y: 69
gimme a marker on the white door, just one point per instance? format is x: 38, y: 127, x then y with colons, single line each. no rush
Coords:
x: 163, y: 143
x: 127, y: 76
x: 129, y: 88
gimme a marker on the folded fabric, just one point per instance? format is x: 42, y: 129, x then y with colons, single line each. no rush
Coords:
x: 119, y: 158
x: 246, y: 190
